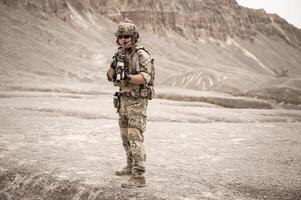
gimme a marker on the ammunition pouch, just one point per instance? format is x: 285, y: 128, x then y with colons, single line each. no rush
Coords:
x: 142, y: 93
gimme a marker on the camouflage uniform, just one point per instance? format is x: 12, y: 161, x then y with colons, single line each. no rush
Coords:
x: 132, y: 108
x: 132, y: 113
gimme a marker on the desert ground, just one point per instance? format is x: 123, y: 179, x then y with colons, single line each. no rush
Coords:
x: 59, y: 145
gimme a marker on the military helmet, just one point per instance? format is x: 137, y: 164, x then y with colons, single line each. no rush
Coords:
x: 126, y: 28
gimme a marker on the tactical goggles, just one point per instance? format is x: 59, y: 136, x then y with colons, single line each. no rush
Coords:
x: 123, y: 36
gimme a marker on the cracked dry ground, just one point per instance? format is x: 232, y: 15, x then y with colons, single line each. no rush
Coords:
x: 68, y: 147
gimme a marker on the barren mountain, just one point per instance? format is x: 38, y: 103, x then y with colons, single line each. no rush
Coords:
x: 201, y: 45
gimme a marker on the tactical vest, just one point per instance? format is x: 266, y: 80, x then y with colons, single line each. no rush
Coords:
x: 135, y: 60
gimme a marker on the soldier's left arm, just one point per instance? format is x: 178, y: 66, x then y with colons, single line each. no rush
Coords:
x: 136, y: 79
x: 144, y: 69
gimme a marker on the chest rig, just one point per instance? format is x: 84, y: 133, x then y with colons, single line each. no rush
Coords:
x: 130, y: 66
x: 133, y: 66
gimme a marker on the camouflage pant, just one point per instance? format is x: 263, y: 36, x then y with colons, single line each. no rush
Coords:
x: 132, y: 122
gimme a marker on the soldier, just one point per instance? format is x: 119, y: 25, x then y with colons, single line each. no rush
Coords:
x: 133, y: 72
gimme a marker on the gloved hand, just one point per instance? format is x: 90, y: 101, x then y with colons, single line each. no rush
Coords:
x: 113, y: 63
x: 126, y: 76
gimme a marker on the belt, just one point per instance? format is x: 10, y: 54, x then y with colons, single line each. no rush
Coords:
x: 140, y: 93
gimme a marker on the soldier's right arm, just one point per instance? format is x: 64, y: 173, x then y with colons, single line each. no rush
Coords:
x: 110, y: 74
x: 111, y: 70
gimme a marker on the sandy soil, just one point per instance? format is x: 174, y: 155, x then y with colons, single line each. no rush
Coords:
x: 68, y: 147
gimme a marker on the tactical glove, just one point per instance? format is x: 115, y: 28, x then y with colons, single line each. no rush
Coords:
x: 127, y: 76
x: 113, y: 64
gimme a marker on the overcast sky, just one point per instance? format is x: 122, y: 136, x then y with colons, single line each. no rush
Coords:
x: 290, y: 10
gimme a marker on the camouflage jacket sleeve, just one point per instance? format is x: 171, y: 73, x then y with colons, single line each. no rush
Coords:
x: 144, y: 65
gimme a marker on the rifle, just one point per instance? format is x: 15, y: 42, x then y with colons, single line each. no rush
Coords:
x: 121, y: 71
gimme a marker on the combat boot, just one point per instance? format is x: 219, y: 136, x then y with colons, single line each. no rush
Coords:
x: 124, y: 172
x: 134, y: 182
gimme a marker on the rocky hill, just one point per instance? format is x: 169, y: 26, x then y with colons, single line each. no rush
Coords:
x: 201, y: 45
x: 199, y: 19
x: 196, y: 19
